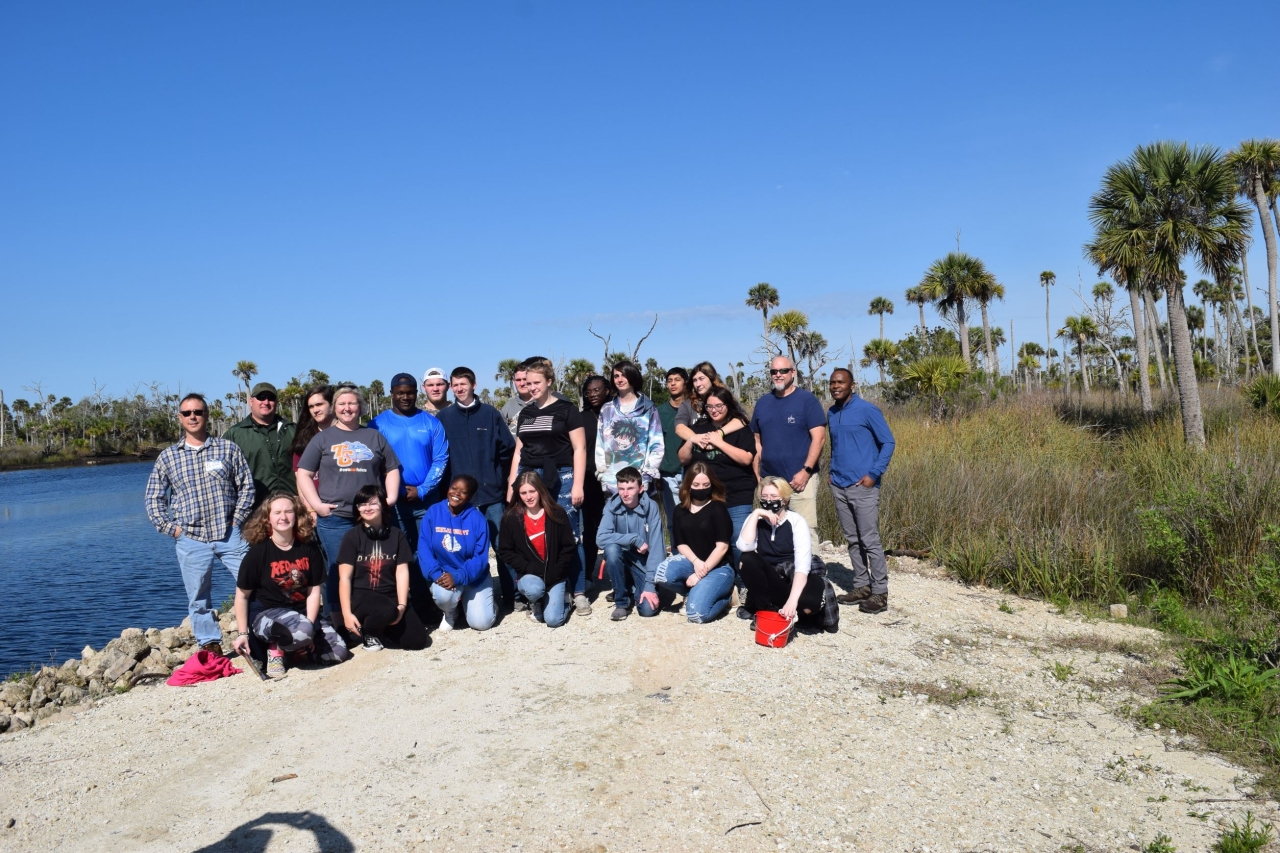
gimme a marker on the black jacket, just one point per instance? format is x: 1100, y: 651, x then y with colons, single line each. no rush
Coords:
x: 514, y: 548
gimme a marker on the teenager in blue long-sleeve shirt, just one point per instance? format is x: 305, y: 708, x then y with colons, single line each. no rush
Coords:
x: 861, y: 447
x: 454, y: 555
x: 420, y: 443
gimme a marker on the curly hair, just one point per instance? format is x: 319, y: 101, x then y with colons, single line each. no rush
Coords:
x: 258, y: 527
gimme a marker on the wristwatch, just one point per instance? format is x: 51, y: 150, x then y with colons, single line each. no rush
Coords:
x: 811, y: 471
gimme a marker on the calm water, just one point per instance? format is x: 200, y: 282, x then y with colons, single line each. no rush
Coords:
x: 79, y: 562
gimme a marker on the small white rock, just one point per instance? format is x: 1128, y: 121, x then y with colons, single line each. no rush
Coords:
x: 1119, y: 611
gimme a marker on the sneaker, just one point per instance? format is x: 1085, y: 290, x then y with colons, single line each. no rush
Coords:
x: 372, y: 643
x: 744, y: 613
x: 620, y: 613
x: 213, y: 647
x: 275, y: 663
x: 451, y: 617
x: 609, y: 597
x: 862, y: 593
x: 581, y: 605
x: 520, y: 606
x: 877, y: 603
x: 735, y: 600
x: 535, y: 614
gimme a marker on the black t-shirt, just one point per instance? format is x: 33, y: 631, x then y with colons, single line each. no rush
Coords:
x: 739, y: 480
x: 545, y: 433
x: 276, y: 578
x: 375, y: 560
x: 701, y: 530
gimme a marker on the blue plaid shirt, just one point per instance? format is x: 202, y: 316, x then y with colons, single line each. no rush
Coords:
x: 203, y: 491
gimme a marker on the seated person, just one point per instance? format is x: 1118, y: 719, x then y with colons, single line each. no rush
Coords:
x: 373, y: 584
x: 278, y: 588
x: 453, y: 551
x: 778, y: 565
x: 630, y: 535
x: 537, y: 543
x: 700, y: 532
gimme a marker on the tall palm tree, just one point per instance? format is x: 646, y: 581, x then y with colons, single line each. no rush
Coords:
x: 1257, y: 166
x: 1196, y: 322
x: 762, y: 297
x: 1204, y: 289
x: 881, y: 306
x: 811, y: 346
x: 790, y: 325
x: 1169, y: 200
x: 985, y: 289
x: 951, y: 282
x: 1127, y: 271
x: 879, y: 352
x: 1047, y: 280
x: 245, y: 371
x: 918, y: 296
x: 1081, y: 329
x: 507, y: 369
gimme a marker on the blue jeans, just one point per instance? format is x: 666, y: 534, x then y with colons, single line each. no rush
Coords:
x: 706, y: 600
x: 577, y: 576
x: 408, y: 515
x: 738, y: 515
x: 475, y: 600
x: 330, y: 529
x: 195, y: 560
x: 619, y: 561
x: 506, y: 575
x: 553, y: 610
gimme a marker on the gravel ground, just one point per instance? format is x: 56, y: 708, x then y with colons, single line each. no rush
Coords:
x: 940, y: 725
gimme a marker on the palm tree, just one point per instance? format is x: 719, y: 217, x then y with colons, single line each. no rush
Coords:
x: 985, y: 289
x: 918, y: 296
x: 951, y: 282
x: 933, y: 376
x: 507, y: 369
x: 1205, y: 289
x: 576, y: 373
x: 1257, y: 166
x: 1047, y: 280
x: 245, y: 371
x: 811, y: 346
x: 879, y: 352
x: 1195, y: 322
x: 762, y: 297
x: 790, y: 325
x: 881, y: 306
x: 1081, y: 330
x: 1167, y: 201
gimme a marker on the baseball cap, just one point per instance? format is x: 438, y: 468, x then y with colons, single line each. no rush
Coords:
x: 434, y: 373
x: 263, y: 388
x: 403, y: 379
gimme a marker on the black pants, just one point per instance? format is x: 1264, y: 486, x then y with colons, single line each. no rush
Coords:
x: 593, y: 502
x: 768, y: 588
x: 376, y: 610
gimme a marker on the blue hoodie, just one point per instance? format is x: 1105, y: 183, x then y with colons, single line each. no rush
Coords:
x: 861, y: 442
x: 457, y: 544
x: 632, y: 527
x: 421, y: 446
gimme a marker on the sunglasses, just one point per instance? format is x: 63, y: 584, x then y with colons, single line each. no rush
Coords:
x: 781, y: 371
x: 192, y: 413
x: 265, y: 398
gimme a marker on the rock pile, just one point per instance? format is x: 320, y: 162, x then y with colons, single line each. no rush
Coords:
x: 132, y: 657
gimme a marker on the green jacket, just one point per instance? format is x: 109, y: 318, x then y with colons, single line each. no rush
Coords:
x: 269, y: 451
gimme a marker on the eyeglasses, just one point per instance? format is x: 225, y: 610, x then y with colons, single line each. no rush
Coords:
x: 713, y: 407
x: 265, y: 398
x: 192, y: 413
x: 782, y: 371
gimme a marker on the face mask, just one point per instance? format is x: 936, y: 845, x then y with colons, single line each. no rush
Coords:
x: 771, y: 506
x: 700, y: 494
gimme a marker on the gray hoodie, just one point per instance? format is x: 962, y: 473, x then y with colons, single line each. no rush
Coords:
x: 632, y: 527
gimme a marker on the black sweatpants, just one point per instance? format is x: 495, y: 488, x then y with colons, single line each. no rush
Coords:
x: 376, y: 610
x: 768, y: 588
x: 593, y: 501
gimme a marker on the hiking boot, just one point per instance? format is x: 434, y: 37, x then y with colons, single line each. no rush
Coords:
x: 213, y: 647
x: 581, y: 605
x: 861, y: 593
x: 620, y: 613
x: 877, y: 603
x: 372, y: 643
x: 275, y: 663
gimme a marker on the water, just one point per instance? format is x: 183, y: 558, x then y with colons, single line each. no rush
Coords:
x: 79, y: 563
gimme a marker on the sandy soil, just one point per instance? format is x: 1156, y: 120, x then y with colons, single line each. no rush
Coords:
x: 937, y: 726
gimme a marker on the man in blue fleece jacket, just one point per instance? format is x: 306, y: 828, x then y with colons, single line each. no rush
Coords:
x: 631, y: 536
x: 419, y: 442
x: 454, y: 556
x: 861, y: 447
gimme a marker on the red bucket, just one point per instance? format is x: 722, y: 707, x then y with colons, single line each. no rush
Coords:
x: 772, y: 629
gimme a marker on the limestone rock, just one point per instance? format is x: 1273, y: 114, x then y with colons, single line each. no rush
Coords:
x: 175, y: 657
x: 118, y: 668
x: 4, y: 722
x: 87, y: 653
x: 38, y: 698
x: 169, y: 639
x: 95, y: 687
x: 71, y: 695
x: 47, y: 711
x: 153, y: 637
x: 131, y: 633
x: 1119, y: 611
x: 135, y: 645
x: 21, y: 720
x: 185, y: 624
x: 15, y: 693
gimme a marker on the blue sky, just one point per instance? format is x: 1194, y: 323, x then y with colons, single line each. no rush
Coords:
x: 369, y: 188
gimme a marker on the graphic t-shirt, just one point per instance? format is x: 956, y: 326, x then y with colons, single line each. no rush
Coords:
x: 701, y: 530
x: 545, y: 433
x: 277, y: 578
x: 739, y: 480
x: 346, y: 460
x: 783, y: 424
x: 536, y: 530
x: 374, y: 560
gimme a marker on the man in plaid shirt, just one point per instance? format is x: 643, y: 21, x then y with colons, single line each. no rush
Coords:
x: 200, y: 491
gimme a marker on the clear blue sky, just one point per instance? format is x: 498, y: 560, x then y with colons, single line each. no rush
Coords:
x: 368, y: 188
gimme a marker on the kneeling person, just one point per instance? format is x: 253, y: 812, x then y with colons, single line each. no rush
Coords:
x: 630, y: 535
x: 373, y: 577
x: 537, y: 542
x: 278, y: 588
x: 701, y: 533
x: 453, y: 550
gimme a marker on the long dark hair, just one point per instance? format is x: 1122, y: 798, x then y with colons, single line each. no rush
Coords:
x: 634, y: 379
x: 549, y: 506
x: 717, y: 487
x: 307, y: 426
x: 732, y: 409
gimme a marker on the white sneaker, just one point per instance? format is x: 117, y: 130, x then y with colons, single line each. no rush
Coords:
x: 450, y: 617
x: 372, y: 643
x: 581, y: 605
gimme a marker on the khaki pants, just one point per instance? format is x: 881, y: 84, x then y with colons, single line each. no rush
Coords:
x: 806, y: 504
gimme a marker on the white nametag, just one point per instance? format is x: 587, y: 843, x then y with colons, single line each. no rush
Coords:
x: 213, y: 466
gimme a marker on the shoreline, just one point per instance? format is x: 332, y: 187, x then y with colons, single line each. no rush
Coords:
x: 78, y: 462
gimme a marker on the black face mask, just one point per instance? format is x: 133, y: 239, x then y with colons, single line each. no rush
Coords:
x: 700, y: 494
x: 771, y: 506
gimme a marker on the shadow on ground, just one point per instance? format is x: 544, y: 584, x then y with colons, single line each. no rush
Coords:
x: 257, y: 834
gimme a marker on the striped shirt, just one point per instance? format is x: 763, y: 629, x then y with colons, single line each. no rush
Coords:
x: 202, y: 490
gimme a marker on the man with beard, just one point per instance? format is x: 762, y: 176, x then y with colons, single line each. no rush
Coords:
x: 790, y: 429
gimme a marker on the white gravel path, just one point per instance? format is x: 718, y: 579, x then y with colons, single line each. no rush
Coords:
x: 649, y: 735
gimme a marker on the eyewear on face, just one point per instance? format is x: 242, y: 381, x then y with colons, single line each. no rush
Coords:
x: 265, y: 398
x: 370, y: 505
x: 712, y: 407
x: 192, y: 413
x: 783, y: 371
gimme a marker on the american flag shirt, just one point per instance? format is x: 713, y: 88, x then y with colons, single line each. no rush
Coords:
x: 202, y: 490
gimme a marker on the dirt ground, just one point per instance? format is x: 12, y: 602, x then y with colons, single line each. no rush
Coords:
x: 945, y: 724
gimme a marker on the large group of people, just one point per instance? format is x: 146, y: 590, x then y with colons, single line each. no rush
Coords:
x: 341, y: 531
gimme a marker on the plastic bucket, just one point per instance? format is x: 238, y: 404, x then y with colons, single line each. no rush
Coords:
x: 772, y: 629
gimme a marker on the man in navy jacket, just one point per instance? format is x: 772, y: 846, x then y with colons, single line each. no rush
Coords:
x: 481, y: 446
x: 861, y: 447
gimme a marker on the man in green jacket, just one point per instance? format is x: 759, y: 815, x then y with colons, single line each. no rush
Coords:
x: 266, y: 439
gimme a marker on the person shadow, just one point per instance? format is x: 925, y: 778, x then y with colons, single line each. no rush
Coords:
x: 255, y: 835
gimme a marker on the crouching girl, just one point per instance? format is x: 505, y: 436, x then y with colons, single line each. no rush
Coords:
x: 453, y: 551
x: 538, y: 543
x: 373, y: 578
x: 278, y: 588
